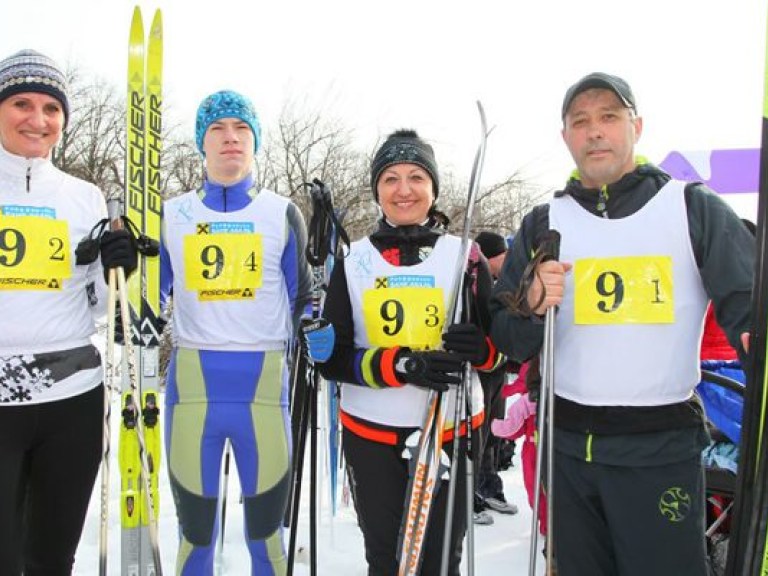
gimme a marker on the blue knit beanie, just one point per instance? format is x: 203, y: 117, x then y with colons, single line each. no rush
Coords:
x: 226, y: 104
x: 30, y: 71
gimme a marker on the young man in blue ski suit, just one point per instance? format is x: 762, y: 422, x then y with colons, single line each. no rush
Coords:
x: 232, y: 258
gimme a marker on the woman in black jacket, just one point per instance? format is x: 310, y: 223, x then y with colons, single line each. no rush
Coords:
x: 384, y: 336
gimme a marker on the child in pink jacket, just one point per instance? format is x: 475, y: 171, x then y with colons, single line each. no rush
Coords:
x: 521, y: 421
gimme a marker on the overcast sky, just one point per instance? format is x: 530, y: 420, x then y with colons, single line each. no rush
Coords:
x: 696, y: 66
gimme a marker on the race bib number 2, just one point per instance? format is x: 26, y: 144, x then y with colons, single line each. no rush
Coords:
x: 34, y: 253
x: 627, y: 290
x: 406, y: 316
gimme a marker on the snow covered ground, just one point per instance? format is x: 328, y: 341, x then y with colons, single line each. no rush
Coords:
x: 340, y: 546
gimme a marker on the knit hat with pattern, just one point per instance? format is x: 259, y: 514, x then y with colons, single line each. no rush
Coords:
x: 30, y: 71
x: 226, y: 104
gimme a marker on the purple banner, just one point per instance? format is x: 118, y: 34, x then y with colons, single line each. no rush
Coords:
x: 725, y: 171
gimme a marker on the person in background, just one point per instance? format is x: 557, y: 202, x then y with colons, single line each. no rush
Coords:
x: 639, y: 257
x: 51, y: 379
x: 232, y: 260
x: 714, y: 342
x: 723, y: 407
x: 384, y: 322
x: 520, y: 422
x: 490, y: 488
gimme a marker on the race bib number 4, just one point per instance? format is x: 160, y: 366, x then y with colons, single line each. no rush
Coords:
x: 34, y: 253
x: 223, y: 266
x: 627, y: 290
x: 406, y: 316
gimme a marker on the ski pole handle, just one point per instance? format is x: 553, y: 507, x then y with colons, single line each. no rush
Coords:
x: 550, y: 245
x: 114, y: 213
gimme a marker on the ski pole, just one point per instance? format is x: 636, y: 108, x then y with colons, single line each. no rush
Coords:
x: 313, y: 383
x: 320, y: 245
x: 225, y: 482
x: 301, y: 411
x: 548, y: 382
x: 470, y: 488
x: 108, y: 385
x: 470, y: 472
x: 548, y: 250
x: 298, y: 400
x: 459, y: 277
x: 540, y: 418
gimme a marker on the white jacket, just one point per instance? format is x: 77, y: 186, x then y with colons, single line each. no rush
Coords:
x: 35, y: 319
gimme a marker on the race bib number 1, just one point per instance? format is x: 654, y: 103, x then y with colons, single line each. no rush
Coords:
x: 408, y: 316
x: 627, y: 290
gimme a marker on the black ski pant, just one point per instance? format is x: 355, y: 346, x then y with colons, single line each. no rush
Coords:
x: 379, y: 477
x: 488, y: 482
x: 49, y: 458
x: 629, y: 520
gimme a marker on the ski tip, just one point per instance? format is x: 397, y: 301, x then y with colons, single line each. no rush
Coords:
x: 483, y: 121
x: 136, y: 15
x: 157, y: 24
x: 136, y: 36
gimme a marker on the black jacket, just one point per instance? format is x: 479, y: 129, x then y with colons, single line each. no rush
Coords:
x: 404, y: 246
x: 723, y: 248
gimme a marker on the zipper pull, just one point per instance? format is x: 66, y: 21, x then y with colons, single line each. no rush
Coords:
x: 602, y: 198
x: 29, y: 174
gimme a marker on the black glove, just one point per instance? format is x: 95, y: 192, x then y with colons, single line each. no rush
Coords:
x: 433, y: 369
x: 118, y: 249
x: 468, y: 341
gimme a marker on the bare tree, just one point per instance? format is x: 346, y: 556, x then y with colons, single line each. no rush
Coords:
x: 182, y: 167
x: 499, y: 206
x: 307, y: 145
x: 92, y: 143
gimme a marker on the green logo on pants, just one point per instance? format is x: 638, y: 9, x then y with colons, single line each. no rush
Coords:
x: 674, y: 504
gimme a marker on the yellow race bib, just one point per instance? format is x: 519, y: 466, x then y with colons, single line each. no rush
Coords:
x: 34, y: 253
x: 410, y: 316
x: 625, y: 290
x: 223, y: 266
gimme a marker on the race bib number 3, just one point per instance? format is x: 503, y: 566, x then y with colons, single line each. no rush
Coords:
x: 628, y: 290
x: 408, y: 316
x: 33, y: 248
x: 223, y: 263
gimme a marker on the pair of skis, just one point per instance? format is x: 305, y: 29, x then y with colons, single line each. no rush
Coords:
x: 429, y: 464
x: 140, y: 443
x: 137, y: 498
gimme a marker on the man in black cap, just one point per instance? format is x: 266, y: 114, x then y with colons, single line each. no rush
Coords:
x: 494, y: 248
x: 639, y: 256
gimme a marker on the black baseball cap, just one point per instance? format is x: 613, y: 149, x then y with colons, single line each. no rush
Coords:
x: 600, y: 80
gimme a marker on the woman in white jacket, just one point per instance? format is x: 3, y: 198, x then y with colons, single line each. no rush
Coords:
x: 51, y: 390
